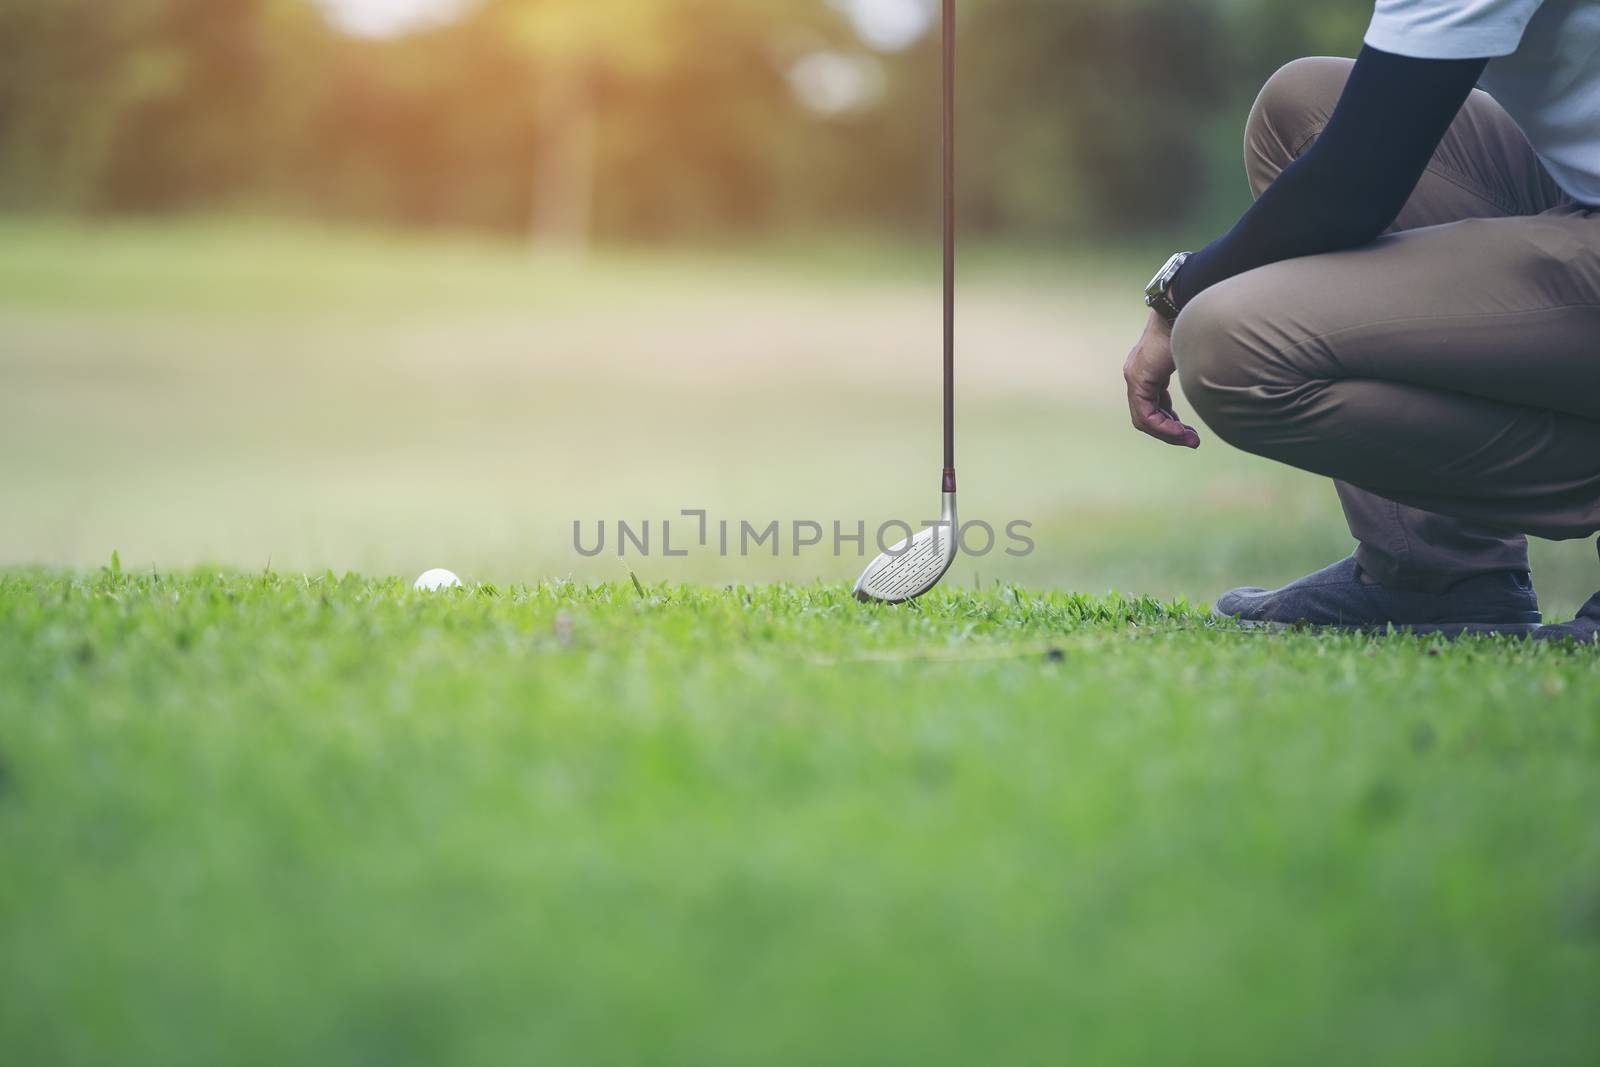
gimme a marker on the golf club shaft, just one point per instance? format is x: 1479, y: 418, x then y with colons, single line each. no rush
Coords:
x: 949, y: 26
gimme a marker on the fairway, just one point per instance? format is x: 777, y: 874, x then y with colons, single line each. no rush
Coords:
x: 273, y: 819
x: 244, y: 395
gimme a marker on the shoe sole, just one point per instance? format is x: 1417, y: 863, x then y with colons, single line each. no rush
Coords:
x: 1556, y: 635
x: 1415, y: 629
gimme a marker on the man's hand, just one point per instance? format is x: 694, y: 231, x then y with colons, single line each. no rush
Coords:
x: 1149, y: 372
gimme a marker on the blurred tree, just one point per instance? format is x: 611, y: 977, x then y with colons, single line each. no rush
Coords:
x: 70, y: 69
x: 639, y: 55
x: 571, y: 47
x: 433, y: 128
x: 1088, y: 116
x: 239, y: 82
x: 149, y: 103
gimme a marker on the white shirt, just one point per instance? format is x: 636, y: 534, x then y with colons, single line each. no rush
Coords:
x: 1544, y: 68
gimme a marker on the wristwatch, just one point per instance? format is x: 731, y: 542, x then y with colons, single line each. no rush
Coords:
x: 1156, y: 296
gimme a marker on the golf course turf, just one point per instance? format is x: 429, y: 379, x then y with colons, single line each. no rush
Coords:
x: 280, y: 819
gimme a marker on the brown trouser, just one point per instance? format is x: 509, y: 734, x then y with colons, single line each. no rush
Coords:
x: 1446, y: 375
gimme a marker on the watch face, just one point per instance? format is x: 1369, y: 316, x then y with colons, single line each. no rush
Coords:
x: 1157, y: 284
x: 1155, y: 294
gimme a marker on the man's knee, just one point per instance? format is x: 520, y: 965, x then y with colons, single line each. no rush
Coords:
x: 1290, y: 111
x: 1221, y: 364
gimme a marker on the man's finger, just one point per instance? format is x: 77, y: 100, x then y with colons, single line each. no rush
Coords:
x: 1165, y: 427
x: 1150, y: 417
x: 1191, y: 438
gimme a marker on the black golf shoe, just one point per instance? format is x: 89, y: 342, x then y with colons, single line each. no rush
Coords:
x: 1585, y: 629
x: 1343, y: 597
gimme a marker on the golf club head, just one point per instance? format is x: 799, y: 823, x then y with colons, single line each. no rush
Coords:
x: 915, y: 565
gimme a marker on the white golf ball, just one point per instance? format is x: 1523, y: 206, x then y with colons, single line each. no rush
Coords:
x: 437, y: 579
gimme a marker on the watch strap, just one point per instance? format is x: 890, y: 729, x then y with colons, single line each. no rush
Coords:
x: 1162, y: 305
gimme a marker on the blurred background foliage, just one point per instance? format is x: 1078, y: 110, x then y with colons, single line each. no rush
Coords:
x: 643, y: 120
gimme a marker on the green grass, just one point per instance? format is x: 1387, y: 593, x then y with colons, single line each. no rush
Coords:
x: 272, y: 819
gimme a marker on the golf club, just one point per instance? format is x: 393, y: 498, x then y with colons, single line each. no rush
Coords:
x: 916, y: 564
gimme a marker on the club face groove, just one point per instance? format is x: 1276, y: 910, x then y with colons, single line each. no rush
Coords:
x: 915, y: 565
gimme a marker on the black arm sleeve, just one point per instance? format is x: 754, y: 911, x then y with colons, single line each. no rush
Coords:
x: 1351, y: 184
